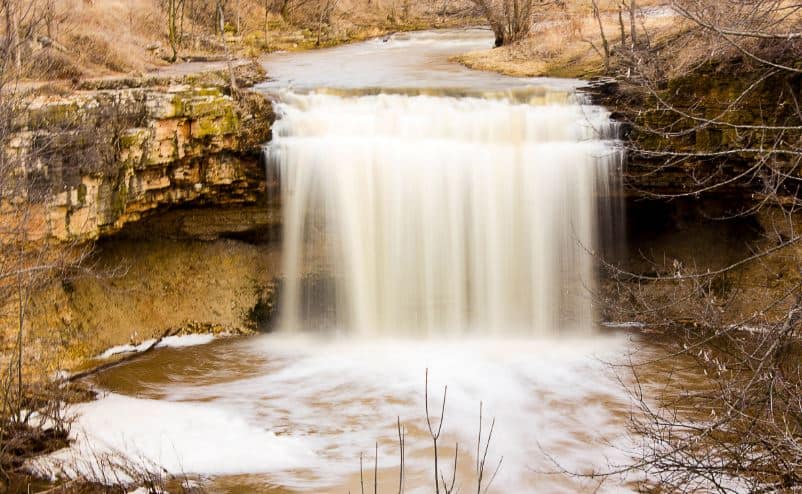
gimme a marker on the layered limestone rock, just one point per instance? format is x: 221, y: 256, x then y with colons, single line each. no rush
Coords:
x: 701, y: 129
x: 162, y: 180
x: 102, y: 159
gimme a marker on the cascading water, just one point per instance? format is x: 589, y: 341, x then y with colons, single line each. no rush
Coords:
x: 439, y: 215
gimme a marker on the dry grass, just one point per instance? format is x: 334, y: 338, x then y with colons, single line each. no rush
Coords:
x: 51, y: 64
x: 96, y: 51
x: 695, y: 47
x: 567, y: 42
x: 111, y: 37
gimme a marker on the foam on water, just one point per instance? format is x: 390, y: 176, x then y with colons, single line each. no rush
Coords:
x: 302, y: 418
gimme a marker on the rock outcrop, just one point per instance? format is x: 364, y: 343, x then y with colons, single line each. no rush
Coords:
x: 704, y: 131
x: 162, y: 181
x: 698, y: 175
x: 98, y: 160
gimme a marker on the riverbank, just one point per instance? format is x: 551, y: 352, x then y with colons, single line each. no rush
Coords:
x: 172, y: 163
x: 573, y: 44
x: 111, y: 39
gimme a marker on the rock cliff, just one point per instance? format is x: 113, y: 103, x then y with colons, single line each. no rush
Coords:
x: 699, y: 177
x: 100, y: 159
x: 163, y: 181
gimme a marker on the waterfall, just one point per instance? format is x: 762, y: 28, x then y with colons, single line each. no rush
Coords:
x: 427, y: 215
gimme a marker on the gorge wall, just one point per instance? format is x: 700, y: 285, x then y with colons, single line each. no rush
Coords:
x: 164, y: 180
x: 100, y: 159
x: 697, y: 197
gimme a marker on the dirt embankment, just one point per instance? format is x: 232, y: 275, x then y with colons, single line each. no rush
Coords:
x: 141, y: 288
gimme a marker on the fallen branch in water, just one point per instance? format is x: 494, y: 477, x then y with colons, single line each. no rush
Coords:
x: 109, y: 365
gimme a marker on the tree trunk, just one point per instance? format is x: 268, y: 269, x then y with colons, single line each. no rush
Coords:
x: 605, y: 44
x: 238, y: 17
x: 172, y: 35
x: 181, y: 21
x: 12, y: 23
x: 267, y: 11
x: 633, y: 30
x: 499, y: 38
x: 232, y: 79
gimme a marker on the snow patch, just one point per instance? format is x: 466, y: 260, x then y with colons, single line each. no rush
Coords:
x: 166, y: 342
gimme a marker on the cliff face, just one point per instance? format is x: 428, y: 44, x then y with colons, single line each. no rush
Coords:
x: 164, y: 180
x: 98, y: 160
x: 696, y: 190
x: 705, y: 130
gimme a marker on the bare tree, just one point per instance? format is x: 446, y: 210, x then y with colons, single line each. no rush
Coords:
x: 325, y: 10
x: 287, y: 9
x: 174, y: 9
x: 313, y: 13
x: 605, y: 44
x: 510, y: 20
x: 633, y: 30
x: 32, y: 413
x: 726, y: 414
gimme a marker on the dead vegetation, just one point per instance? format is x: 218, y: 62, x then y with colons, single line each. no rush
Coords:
x: 33, y: 413
x: 510, y: 20
x: 444, y: 481
x: 719, y: 103
x: 577, y: 38
x: 74, y: 39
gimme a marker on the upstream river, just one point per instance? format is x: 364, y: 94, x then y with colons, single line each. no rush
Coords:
x: 436, y: 219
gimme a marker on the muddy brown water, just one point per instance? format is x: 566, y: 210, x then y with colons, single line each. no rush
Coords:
x: 284, y: 414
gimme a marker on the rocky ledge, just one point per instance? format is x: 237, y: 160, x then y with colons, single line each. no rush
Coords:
x: 100, y: 158
x: 162, y: 179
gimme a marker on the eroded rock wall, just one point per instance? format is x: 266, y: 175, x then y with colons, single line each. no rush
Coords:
x: 696, y: 197
x: 99, y: 160
x: 142, y: 288
x: 163, y: 182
